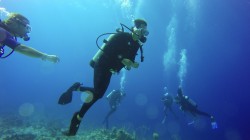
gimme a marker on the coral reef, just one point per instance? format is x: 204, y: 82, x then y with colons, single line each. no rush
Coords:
x: 14, y: 128
x: 114, y: 134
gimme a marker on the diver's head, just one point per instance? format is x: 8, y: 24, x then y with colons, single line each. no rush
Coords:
x: 18, y: 25
x: 140, y: 30
x: 165, y: 89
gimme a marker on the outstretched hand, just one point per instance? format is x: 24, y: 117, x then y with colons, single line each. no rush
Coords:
x: 51, y: 58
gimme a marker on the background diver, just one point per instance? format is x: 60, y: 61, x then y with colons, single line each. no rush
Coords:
x: 16, y: 25
x: 167, y: 100
x: 117, y: 52
x: 114, y: 98
x: 187, y: 104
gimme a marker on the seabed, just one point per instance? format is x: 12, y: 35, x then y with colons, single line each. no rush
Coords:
x: 16, y: 128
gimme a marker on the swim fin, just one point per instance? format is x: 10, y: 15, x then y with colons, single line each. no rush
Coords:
x: 66, y: 97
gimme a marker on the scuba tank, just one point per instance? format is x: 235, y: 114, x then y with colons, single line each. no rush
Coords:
x: 110, y: 95
x: 100, y: 52
x: 190, y: 101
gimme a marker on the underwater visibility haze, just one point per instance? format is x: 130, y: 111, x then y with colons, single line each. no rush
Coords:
x: 201, y: 46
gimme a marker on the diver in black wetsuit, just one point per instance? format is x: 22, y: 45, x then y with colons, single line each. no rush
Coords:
x: 114, y: 98
x: 187, y: 104
x: 118, y: 52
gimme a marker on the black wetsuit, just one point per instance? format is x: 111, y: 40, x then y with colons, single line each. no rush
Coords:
x: 187, y: 105
x: 120, y: 46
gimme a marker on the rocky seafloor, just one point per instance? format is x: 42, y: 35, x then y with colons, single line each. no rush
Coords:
x: 15, y: 128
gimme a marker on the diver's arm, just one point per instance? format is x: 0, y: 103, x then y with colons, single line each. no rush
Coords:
x: 31, y: 52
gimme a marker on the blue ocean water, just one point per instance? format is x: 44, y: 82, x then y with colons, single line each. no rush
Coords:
x: 213, y: 68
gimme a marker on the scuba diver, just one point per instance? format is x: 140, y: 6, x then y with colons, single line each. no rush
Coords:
x: 117, y: 52
x: 114, y: 98
x: 16, y: 25
x: 187, y: 104
x: 167, y: 100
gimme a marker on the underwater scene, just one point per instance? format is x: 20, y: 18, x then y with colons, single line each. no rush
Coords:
x: 124, y: 69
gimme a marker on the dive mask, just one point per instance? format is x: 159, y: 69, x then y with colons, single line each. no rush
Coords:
x: 142, y: 33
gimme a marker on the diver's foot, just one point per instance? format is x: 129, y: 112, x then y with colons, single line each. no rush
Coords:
x: 66, y: 97
x: 66, y: 133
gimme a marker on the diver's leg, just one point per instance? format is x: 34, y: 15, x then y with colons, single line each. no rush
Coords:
x: 106, y: 120
x: 171, y: 110
x: 202, y: 113
x: 101, y: 82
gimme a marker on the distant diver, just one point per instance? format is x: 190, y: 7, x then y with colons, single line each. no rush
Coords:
x: 187, y: 104
x: 114, y: 98
x: 167, y: 100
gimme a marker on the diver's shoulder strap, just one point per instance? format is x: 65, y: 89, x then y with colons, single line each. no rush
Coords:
x: 141, y: 50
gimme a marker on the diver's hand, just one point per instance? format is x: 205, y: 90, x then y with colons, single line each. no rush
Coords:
x: 135, y: 65
x: 51, y: 58
x: 128, y: 63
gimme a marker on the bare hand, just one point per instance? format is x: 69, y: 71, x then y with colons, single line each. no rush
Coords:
x: 128, y: 64
x: 51, y: 58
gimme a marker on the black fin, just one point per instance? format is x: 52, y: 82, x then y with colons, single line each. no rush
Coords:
x: 66, y: 97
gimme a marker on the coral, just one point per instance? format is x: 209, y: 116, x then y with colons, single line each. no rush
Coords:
x: 20, y: 137
x: 22, y: 129
x: 114, y: 134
